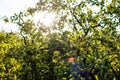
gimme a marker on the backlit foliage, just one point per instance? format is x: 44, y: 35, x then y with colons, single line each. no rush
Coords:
x: 90, y: 36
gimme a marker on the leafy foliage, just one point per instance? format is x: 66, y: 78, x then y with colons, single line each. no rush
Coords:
x: 93, y: 37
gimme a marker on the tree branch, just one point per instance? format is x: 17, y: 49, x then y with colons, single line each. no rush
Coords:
x: 24, y: 39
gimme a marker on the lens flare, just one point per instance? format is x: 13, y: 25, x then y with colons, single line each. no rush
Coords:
x: 71, y: 59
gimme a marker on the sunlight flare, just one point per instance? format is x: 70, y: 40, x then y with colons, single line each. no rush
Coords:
x: 46, y: 18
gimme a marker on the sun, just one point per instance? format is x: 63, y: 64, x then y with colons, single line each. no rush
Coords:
x: 45, y: 17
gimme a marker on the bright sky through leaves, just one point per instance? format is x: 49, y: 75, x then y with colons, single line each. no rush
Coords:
x: 46, y: 18
x: 9, y: 7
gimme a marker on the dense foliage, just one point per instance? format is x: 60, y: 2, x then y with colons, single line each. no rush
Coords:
x: 93, y: 37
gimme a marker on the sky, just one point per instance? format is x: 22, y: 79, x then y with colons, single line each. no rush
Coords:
x: 9, y: 7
